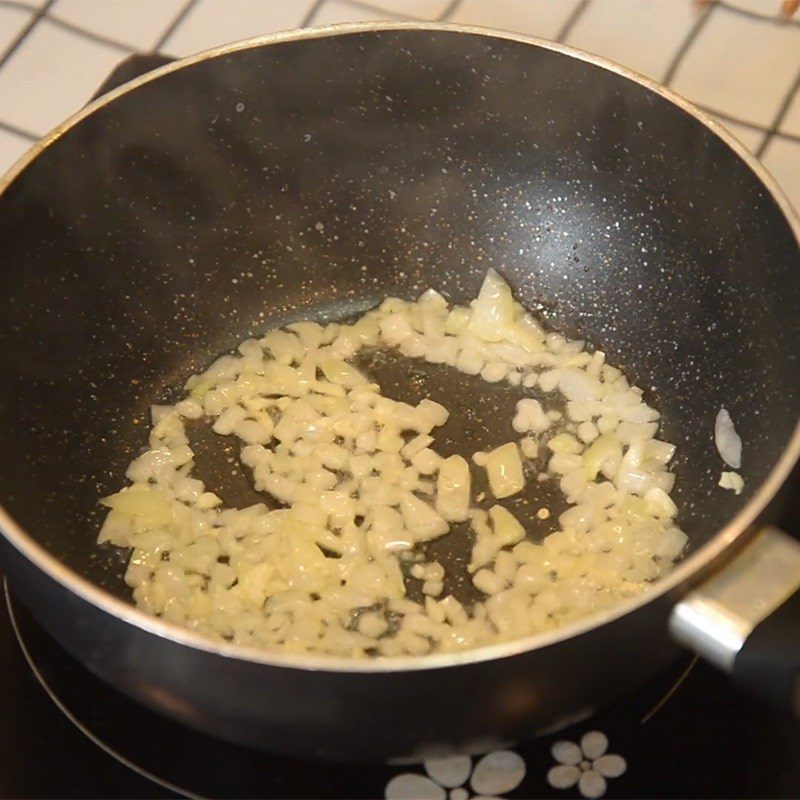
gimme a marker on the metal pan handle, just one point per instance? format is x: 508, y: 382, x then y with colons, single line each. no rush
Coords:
x: 746, y: 619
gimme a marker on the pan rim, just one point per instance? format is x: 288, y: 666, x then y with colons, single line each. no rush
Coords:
x: 736, y: 528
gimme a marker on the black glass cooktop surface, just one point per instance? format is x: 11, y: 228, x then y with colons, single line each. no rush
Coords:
x: 64, y: 733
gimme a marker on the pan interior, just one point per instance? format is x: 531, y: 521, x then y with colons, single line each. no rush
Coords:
x: 310, y: 179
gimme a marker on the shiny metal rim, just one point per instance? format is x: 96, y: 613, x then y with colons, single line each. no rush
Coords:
x: 707, y: 554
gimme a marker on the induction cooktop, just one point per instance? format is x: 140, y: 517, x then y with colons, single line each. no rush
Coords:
x: 64, y: 733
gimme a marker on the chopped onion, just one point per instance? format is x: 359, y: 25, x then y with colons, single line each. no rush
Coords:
x: 364, y: 487
x: 149, y: 508
x: 453, y: 489
x: 732, y: 481
x: 420, y: 519
x: 493, y: 310
x: 530, y: 416
x: 504, y: 469
x: 506, y: 528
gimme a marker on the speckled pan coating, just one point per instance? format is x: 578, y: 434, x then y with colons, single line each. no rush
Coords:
x: 310, y: 179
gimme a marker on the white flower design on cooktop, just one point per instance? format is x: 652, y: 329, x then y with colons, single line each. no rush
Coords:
x: 493, y: 775
x: 588, y: 765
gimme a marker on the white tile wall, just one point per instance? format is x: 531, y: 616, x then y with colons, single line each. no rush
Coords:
x: 138, y: 23
x: 12, y: 21
x: 791, y: 122
x: 769, y: 8
x: 782, y: 159
x: 640, y: 35
x: 412, y: 9
x: 11, y: 147
x: 543, y: 18
x: 751, y: 138
x: 50, y: 76
x: 743, y: 62
x: 335, y: 11
x: 741, y: 67
x: 214, y: 22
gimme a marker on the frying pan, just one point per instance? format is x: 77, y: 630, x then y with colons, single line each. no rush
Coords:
x: 179, y: 214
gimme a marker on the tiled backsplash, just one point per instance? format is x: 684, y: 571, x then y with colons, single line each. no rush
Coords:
x: 738, y: 59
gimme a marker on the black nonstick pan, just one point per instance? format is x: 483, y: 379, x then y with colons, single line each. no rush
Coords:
x: 177, y: 215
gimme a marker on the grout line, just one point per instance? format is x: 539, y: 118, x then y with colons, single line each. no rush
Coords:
x: 774, y: 19
x: 573, y: 18
x: 449, y: 11
x: 311, y: 13
x: 364, y: 6
x: 7, y: 126
x: 19, y: 5
x: 173, y: 26
x: 780, y: 115
x: 787, y: 137
x: 84, y: 33
x: 790, y: 137
x: 23, y: 34
x: 690, y: 39
x: 730, y: 118
x: 60, y: 22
